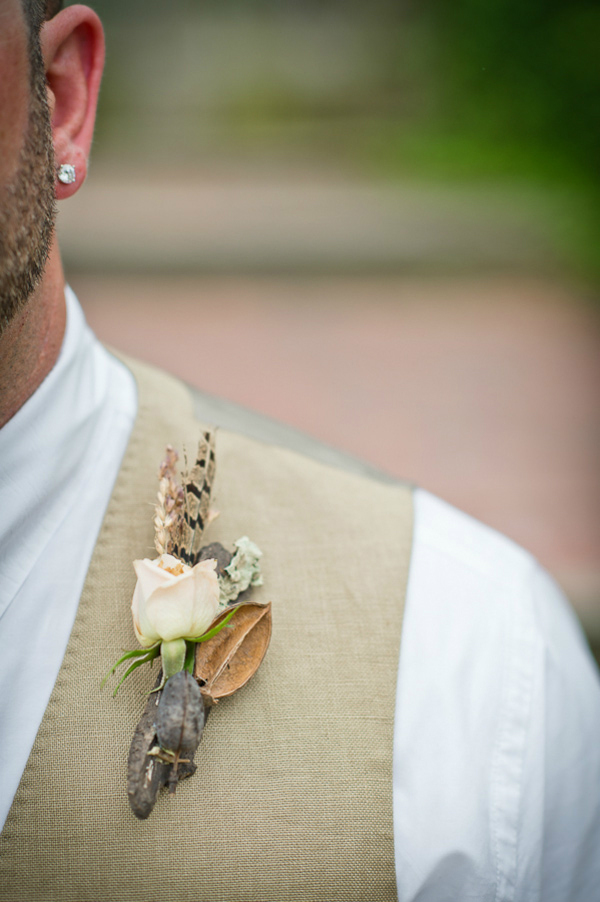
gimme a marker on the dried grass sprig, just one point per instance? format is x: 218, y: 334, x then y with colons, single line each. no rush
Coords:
x: 169, y: 503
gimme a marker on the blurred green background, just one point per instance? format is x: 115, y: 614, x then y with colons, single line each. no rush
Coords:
x: 500, y: 96
x: 377, y: 222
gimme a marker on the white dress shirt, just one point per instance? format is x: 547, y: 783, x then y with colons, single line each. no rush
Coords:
x: 496, y: 767
x: 59, y: 458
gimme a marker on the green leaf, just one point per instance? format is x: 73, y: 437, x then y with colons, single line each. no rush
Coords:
x: 136, y: 653
x: 129, y: 670
x: 216, y: 629
x: 145, y: 656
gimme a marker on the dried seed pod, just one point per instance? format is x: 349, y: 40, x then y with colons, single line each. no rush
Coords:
x: 227, y: 661
x: 216, y: 551
x: 148, y: 772
x: 180, y: 715
x: 145, y: 774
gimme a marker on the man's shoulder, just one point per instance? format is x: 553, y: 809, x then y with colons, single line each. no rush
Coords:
x: 469, y: 545
x: 496, y: 588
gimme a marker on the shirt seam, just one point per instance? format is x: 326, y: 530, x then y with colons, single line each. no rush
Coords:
x: 507, y: 768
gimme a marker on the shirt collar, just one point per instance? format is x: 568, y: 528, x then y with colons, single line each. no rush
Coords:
x: 45, y: 450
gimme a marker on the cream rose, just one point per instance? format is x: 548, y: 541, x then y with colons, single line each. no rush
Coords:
x: 172, y: 600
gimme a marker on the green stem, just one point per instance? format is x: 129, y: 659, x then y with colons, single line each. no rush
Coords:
x: 172, y: 654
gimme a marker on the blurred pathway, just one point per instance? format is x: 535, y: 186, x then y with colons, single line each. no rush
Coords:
x: 224, y: 221
x: 484, y: 391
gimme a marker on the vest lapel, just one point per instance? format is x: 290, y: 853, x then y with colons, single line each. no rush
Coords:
x: 293, y: 794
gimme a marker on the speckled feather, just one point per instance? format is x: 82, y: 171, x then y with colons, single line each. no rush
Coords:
x: 197, y: 485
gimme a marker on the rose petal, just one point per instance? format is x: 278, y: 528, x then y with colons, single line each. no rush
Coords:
x: 146, y: 635
x: 170, y: 609
x: 206, y: 596
x: 151, y: 576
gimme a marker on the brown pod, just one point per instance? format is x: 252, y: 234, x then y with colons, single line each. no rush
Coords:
x: 146, y: 774
x: 147, y: 771
x: 227, y: 661
x: 180, y: 715
x: 216, y: 552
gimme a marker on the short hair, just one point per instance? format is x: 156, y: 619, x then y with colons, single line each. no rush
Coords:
x: 39, y: 11
x: 52, y: 7
x: 36, y: 13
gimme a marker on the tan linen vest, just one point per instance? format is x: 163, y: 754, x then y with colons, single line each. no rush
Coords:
x: 292, y: 799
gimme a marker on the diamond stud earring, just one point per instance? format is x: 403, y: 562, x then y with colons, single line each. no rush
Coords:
x: 66, y: 174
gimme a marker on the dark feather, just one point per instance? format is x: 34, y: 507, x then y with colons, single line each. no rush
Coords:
x: 197, y: 485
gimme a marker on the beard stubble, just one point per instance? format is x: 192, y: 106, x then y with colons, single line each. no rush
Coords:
x: 27, y: 204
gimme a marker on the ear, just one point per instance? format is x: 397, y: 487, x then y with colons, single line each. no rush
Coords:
x: 73, y: 50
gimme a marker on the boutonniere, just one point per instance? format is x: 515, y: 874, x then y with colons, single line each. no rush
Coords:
x: 192, y: 607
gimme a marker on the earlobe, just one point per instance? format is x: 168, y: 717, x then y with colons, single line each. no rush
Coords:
x: 73, y: 51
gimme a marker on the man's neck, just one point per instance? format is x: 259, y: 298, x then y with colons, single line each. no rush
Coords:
x: 30, y: 346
